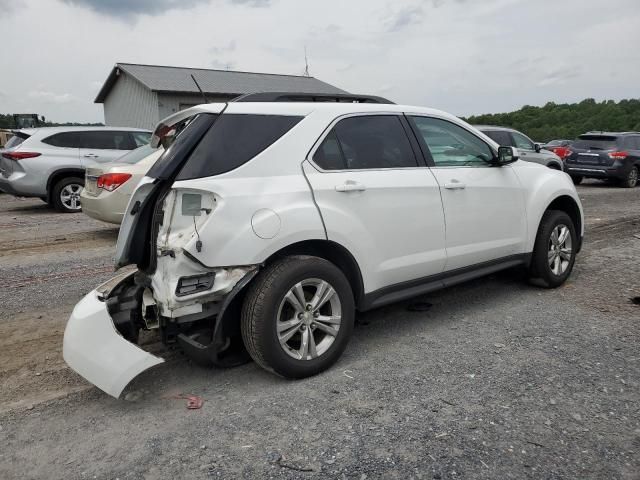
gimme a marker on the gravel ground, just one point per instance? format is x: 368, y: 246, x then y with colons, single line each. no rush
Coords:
x: 498, y: 379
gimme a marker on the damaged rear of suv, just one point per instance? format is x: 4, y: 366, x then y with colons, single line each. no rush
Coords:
x: 269, y: 220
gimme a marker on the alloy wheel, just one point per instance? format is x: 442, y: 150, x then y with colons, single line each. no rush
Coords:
x: 309, y: 318
x: 560, y: 249
x: 70, y: 196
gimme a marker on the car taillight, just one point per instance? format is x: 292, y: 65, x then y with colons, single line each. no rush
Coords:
x: 562, y: 152
x: 618, y: 155
x: 111, y: 181
x: 20, y: 155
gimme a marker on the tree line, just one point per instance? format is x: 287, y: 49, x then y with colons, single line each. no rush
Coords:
x: 567, y: 120
x: 7, y: 121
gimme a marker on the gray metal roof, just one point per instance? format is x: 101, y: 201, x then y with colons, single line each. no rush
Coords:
x: 178, y: 79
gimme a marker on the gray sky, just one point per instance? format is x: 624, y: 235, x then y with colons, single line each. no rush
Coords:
x: 463, y: 56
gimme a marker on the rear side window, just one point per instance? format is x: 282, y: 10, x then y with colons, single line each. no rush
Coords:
x: 501, y: 137
x: 232, y: 141
x: 64, y: 140
x: 106, y: 140
x: 366, y: 142
x: 595, y: 142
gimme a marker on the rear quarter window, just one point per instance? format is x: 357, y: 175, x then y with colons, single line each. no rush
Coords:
x: 63, y: 140
x: 232, y: 141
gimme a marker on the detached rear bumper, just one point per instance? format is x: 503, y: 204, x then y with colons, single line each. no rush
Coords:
x: 94, y: 349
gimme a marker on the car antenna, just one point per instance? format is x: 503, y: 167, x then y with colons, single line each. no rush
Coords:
x: 201, y: 92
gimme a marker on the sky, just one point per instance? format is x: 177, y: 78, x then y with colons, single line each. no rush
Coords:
x: 462, y: 56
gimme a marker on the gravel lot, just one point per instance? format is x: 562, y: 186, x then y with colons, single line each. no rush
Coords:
x: 498, y: 379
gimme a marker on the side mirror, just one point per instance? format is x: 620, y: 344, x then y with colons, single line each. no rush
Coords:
x: 507, y: 155
x: 537, y: 147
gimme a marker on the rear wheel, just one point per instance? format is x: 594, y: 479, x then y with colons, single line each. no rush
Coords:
x: 577, y: 179
x: 631, y: 180
x: 554, y: 253
x: 298, y: 316
x: 65, y: 195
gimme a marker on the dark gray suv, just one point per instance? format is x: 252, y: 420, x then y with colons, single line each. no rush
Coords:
x: 611, y: 156
x: 527, y: 148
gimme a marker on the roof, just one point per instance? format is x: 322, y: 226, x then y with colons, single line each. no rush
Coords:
x: 159, y: 78
x: 494, y: 127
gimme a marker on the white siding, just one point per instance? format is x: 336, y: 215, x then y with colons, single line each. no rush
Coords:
x: 169, y: 103
x: 131, y: 104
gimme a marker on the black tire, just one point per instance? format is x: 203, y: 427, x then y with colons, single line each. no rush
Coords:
x: 631, y: 180
x: 56, y: 199
x: 540, y: 269
x: 259, y: 317
x: 577, y: 179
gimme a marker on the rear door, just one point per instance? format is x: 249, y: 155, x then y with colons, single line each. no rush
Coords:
x: 101, y: 146
x: 378, y: 200
x: 484, y: 205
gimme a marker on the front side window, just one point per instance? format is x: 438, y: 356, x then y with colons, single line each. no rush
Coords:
x: 451, y: 145
x: 366, y: 142
x: 232, y: 141
x: 106, y: 140
x: 522, y: 142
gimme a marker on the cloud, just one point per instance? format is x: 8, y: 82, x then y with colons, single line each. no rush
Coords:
x: 8, y: 7
x: 224, y: 49
x: 51, y: 97
x: 560, y: 76
x: 404, y: 18
x: 129, y: 9
x: 252, y: 3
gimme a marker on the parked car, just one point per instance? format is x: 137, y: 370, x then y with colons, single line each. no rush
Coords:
x: 527, y: 148
x: 50, y: 162
x: 613, y: 156
x: 108, y: 187
x: 269, y: 222
x: 560, y: 147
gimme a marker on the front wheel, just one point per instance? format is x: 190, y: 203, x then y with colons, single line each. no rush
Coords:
x: 298, y: 316
x: 554, y: 253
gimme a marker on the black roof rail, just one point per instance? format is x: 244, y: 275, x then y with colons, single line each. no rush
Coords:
x: 309, y: 97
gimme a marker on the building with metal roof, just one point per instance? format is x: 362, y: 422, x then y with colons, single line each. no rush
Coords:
x: 140, y: 95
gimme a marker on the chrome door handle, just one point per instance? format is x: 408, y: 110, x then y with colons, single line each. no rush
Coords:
x: 90, y: 155
x: 455, y: 185
x: 350, y: 186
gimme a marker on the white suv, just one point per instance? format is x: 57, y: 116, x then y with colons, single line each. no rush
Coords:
x: 272, y: 219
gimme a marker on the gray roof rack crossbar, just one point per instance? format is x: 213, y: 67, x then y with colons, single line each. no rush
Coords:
x: 309, y: 97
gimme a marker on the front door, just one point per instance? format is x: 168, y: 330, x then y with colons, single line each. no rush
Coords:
x: 377, y: 200
x: 483, y: 204
x: 101, y: 146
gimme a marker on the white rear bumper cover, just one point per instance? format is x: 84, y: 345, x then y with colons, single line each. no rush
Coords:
x: 94, y: 349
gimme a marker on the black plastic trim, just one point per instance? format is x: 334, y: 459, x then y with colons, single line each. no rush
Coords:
x: 420, y: 286
x: 310, y: 97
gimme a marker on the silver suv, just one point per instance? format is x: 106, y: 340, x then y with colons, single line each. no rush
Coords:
x: 529, y: 150
x: 50, y: 162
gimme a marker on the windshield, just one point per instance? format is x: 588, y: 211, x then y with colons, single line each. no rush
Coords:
x: 595, y: 142
x: 134, y: 156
